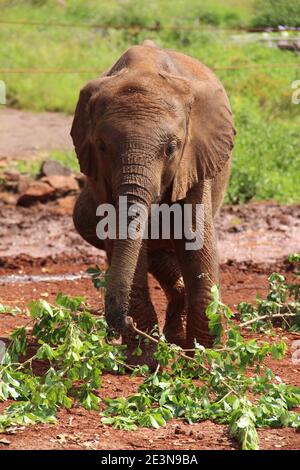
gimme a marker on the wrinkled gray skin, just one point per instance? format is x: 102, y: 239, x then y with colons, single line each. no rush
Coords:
x: 156, y: 127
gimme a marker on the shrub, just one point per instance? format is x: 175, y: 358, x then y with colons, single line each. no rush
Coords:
x: 277, y: 12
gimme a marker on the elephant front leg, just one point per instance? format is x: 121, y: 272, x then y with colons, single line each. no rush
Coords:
x: 200, y: 273
x: 139, y: 352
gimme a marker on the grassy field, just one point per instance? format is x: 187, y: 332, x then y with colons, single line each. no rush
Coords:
x: 266, y: 156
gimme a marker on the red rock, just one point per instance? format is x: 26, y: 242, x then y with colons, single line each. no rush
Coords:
x: 37, y: 191
x: 24, y: 183
x: 65, y: 205
x: 11, y: 175
x: 62, y: 184
x: 8, y: 198
x: 53, y: 167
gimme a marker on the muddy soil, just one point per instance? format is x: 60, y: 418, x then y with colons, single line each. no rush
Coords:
x: 254, y: 233
x: 39, y: 250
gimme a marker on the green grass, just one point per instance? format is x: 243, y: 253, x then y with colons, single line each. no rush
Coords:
x: 275, y: 12
x: 32, y: 167
x: 66, y: 158
x: 266, y: 156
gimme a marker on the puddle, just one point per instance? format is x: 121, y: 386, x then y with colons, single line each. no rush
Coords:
x: 25, y: 278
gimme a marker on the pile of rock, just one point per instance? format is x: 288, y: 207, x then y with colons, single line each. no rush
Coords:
x: 286, y: 45
x: 54, y: 181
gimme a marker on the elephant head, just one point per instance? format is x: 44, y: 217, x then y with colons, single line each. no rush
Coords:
x: 140, y: 132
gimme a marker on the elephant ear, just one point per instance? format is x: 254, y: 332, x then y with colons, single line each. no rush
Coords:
x: 209, y: 136
x: 81, y: 131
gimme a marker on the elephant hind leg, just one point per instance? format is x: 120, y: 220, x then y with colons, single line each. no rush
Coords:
x: 85, y: 220
x: 164, y: 267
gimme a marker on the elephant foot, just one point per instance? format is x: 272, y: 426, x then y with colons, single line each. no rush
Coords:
x: 139, y: 354
x: 175, y: 336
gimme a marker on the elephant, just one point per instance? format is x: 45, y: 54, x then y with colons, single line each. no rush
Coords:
x: 156, y: 127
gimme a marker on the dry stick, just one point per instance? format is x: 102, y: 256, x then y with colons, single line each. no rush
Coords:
x: 241, y: 325
x: 181, y: 354
x: 263, y: 317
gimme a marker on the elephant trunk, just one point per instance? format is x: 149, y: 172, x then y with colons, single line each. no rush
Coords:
x: 135, y: 186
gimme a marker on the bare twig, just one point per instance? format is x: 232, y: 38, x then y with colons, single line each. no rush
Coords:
x: 264, y: 317
x: 179, y: 353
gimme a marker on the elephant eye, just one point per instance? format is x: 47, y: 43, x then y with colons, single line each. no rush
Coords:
x: 101, y: 146
x: 171, y: 147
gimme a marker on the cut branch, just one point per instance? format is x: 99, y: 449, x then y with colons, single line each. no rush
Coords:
x: 179, y: 353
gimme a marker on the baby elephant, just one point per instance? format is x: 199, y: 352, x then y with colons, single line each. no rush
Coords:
x: 156, y: 128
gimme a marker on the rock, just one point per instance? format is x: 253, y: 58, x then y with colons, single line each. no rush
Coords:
x: 48, y: 188
x: 285, y: 45
x: 9, y: 180
x: 8, y: 198
x: 12, y: 175
x: 65, y: 205
x: 62, y: 184
x: 15, y: 181
x: 23, y: 183
x: 37, y: 191
x: 53, y: 167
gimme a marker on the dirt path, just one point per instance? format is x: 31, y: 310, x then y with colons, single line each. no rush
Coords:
x: 25, y: 135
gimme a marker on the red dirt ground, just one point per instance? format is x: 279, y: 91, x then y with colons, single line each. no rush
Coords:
x: 47, y: 245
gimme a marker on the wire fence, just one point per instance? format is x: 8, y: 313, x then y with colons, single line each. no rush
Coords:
x: 144, y: 27
x: 136, y: 28
x: 88, y: 71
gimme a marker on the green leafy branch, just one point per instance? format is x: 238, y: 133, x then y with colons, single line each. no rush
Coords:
x: 228, y: 384
x: 73, y: 350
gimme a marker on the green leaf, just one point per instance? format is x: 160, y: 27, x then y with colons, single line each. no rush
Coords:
x: 137, y: 352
